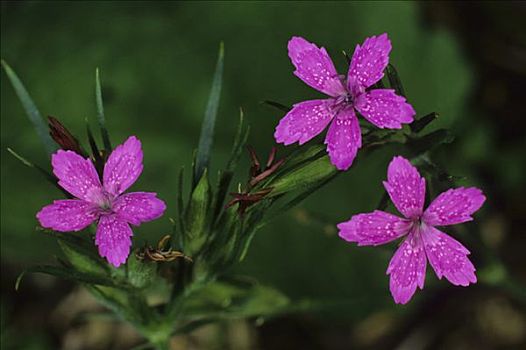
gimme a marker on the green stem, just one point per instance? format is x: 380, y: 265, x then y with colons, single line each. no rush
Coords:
x: 162, y: 344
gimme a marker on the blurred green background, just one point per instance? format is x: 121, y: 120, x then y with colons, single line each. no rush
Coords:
x: 465, y: 61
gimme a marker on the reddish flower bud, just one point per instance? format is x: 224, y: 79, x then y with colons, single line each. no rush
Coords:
x: 63, y: 137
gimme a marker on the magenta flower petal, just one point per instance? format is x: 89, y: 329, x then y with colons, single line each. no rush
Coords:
x: 306, y: 120
x: 68, y: 215
x: 369, y: 61
x: 448, y: 257
x: 138, y: 207
x: 373, y: 228
x: 385, y: 109
x: 407, y: 269
x: 343, y: 139
x: 113, y: 238
x: 454, y: 206
x: 123, y: 166
x: 75, y: 174
x: 405, y: 187
x: 314, y: 67
x: 114, y: 211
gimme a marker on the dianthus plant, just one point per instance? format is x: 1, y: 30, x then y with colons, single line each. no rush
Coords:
x: 190, y: 270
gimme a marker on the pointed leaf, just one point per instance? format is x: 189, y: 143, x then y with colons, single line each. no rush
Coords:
x: 431, y: 141
x: 189, y: 327
x: 223, y: 183
x: 394, y: 80
x: 310, y: 173
x: 100, y: 113
x: 378, y: 85
x: 181, y: 237
x: 31, y: 109
x: 51, y: 178
x: 72, y: 238
x: 98, y: 160
x: 250, y: 227
x: 419, y: 124
x: 207, y: 129
x: 69, y: 274
x: 219, y: 247
x: 239, y: 143
x: 296, y: 199
x: 226, y: 301
x: 348, y: 58
x: 384, y: 201
x: 298, y: 158
x: 277, y: 105
x: 83, y: 260
x: 197, y: 214
x: 128, y: 306
x: 225, y: 177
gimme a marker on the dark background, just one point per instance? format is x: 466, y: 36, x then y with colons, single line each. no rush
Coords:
x: 465, y: 60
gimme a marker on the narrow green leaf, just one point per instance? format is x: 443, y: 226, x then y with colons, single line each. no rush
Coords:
x: 394, y: 80
x: 226, y: 301
x: 68, y: 274
x: 144, y: 346
x: 307, y: 192
x: 222, y: 241
x: 194, y: 167
x: 52, y: 179
x: 384, y: 201
x: 92, y: 143
x: 223, y: 183
x: 303, y: 177
x: 437, y: 171
x: 197, y: 214
x: 73, y: 238
x: 189, y: 327
x: 99, y: 161
x: 295, y: 160
x: 250, y: 227
x: 128, y: 306
x: 430, y: 141
x: 225, y: 177
x: 82, y: 259
x: 297, y: 199
x: 277, y: 105
x: 100, y: 113
x: 419, y: 124
x: 348, y: 58
x: 378, y: 85
x: 239, y: 142
x: 181, y: 238
x: 207, y: 129
x: 31, y: 109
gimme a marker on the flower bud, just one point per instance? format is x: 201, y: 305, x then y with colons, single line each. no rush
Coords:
x: 63, y: 137
x: 197, y: 214
x: 306, y: 175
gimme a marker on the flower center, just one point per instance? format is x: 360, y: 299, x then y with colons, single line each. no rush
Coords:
x: 417, y: 225
x: 344, y: 100
x: 106, y: 204
x: 341, y: 102
x: 101, y: 198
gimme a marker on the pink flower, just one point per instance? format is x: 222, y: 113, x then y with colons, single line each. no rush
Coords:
x: 381, y: 107
x: 105, y: 202
x: 407, y: 268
